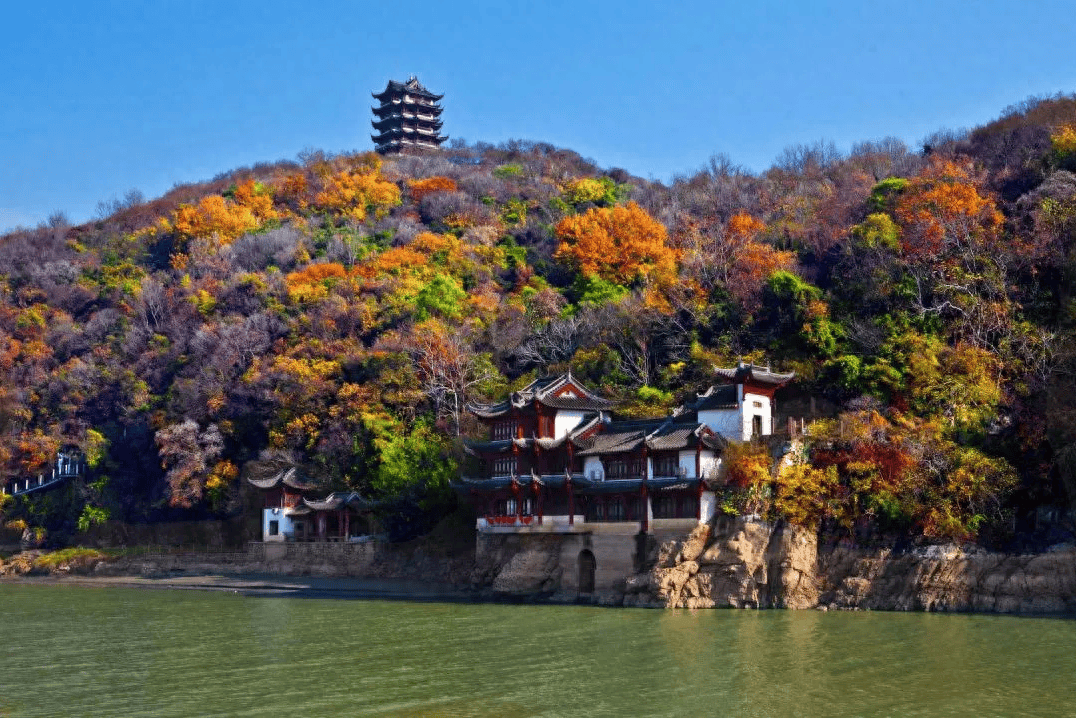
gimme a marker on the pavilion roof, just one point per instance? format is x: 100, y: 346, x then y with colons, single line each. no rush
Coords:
x: 339, y: 500
x: 289, y: 477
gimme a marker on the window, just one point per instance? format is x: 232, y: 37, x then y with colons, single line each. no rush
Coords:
x: 504, y: 430
x: 666, y: 466
x: 274, y: 528
x: 505, y: 466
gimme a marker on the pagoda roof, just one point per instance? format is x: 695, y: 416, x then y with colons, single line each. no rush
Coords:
x: 391, y: 120
x: 390, y: 107
x: 757, y: 374
x: 398, y: 130
x: 289, y: 477
x: 412, y: 86
x: 420, y: 140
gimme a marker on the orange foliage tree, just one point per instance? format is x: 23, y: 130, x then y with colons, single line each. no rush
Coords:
x: 943, y: 213
x: 617, y: 244
x: 313, y: 281
x: 731, y: 256
x: 420, y: 188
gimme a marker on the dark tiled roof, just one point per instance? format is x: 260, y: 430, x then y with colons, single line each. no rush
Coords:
x: 576, y: 402
x: 719, y: 397
x: 618, y: 437
x: 288, y: 477
x: 412, y: 85
x: 674, y: 436
x: 489, y: 411
x: 337, y: 501
x: 499, y: 446
x: 543, y: 389
x: 761, y: 374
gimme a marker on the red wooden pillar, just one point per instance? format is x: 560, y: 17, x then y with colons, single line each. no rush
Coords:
x: 571, y: 502
x: 347, y: 524
x: 698, y: 503
x: 519, y: 501
x: 698, y: 460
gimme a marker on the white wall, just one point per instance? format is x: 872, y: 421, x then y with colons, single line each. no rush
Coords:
x: 750, y: 410
x: 565, y: 421
x: 687, y: 463
x: 726, y: 422
x: 707, y: 507
x: 735, y: 424
x: 710, y: 464
x: 287, y: 528
x: 593, y: 463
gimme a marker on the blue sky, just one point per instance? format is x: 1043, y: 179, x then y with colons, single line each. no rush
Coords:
x: 103, y: 97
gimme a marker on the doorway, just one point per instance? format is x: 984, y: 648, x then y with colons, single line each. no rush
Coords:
x: 587, y: 567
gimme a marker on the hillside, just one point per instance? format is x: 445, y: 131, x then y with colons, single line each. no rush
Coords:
x: 337, y: 312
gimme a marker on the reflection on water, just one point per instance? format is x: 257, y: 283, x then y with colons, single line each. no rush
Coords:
x: 118, y: 652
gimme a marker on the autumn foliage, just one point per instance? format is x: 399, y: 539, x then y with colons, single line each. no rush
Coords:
x: 422, y: 187
x: 337, y: 312
x: 619, y: 244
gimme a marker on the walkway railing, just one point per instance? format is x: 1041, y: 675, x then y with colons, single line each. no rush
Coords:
x: 65, y: 469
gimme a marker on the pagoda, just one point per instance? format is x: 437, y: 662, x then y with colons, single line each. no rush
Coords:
x: 409, y: 117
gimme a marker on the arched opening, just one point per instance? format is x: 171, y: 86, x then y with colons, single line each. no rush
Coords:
x: 587, y: 566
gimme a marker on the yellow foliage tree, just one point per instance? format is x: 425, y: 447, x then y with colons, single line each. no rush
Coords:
x: 224, y: 219
x: 355, y: 192
x: 313, y: 281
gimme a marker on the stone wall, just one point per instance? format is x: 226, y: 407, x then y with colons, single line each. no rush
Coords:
x: 555, y: 565
x: 229, y: 533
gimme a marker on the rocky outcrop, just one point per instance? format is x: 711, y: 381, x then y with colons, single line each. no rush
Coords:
x: 737, y: 563
x: 949, y: 578
x: 747, y: 563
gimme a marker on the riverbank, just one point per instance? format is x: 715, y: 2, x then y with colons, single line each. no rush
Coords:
x: 262, y: 585
x: 736, y: 562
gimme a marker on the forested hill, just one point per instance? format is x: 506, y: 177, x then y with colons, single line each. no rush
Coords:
x: 337, y: 312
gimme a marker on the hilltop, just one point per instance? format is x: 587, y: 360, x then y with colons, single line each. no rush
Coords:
x: 337, y: 312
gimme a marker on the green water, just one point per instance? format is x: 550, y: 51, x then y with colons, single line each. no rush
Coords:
x: 70, y: 651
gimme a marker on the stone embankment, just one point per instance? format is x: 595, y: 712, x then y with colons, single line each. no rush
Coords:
x: 735, y: 562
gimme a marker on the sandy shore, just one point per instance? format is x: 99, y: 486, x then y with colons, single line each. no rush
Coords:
x: 264, y: 585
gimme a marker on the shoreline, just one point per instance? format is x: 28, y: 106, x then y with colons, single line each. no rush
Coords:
x: 262, y: 585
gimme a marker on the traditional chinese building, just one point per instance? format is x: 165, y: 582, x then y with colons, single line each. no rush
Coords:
x: 556, y: 460
x: 291, y: 513
x: 409, y: 117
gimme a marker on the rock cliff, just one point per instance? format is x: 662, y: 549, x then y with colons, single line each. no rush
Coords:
x: 737, y: 563
x: 744, y: 563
